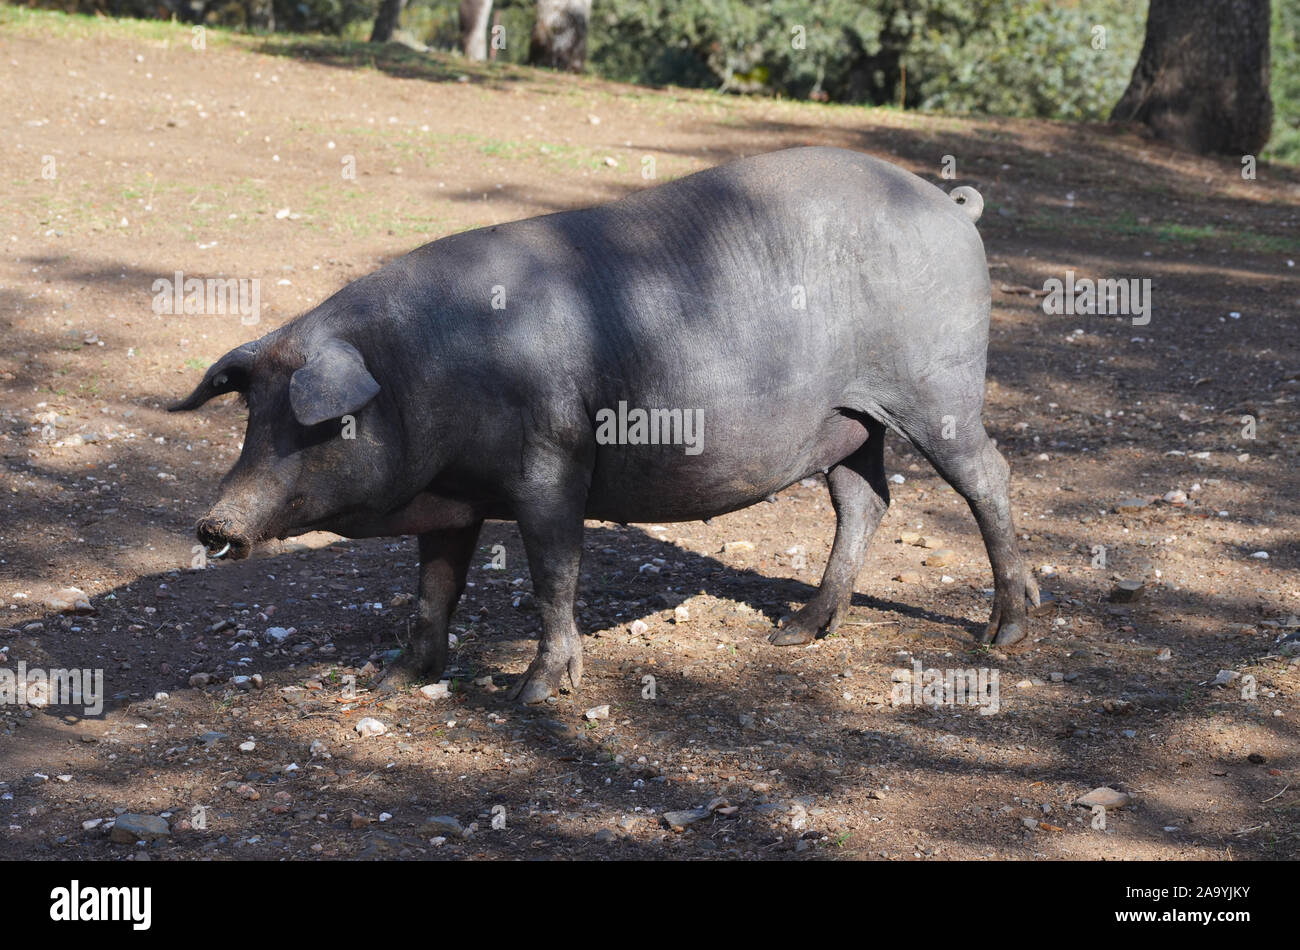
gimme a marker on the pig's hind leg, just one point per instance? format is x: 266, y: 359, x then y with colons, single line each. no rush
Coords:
x: 860, y: 495
x: 444, y: 565
x: 967, y: 459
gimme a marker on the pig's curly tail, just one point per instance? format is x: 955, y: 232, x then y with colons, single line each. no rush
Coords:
x: 970, y: 200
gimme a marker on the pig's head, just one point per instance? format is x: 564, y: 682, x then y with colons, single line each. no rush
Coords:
x: 299, y: 470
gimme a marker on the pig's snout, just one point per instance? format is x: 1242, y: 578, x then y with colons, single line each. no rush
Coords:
x: 223, y: 538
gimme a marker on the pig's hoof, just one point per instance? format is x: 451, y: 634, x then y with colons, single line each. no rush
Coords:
x: 545, y: 677
x: 405, y: 673
x: 1004, y: 630
x: 804, y: 626
x: 791, y: 635
x: 1008, y: 634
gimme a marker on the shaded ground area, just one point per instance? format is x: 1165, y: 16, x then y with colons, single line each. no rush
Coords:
x: 229, y: 162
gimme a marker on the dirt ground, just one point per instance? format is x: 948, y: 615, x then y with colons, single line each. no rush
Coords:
x: 227, y: 161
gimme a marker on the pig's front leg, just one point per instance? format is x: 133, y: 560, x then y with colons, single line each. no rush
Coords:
x: 550, y: 522
x: 444, y: 564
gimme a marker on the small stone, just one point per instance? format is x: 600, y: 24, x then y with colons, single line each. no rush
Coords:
x: 1129, y: 505
x: 734, y: 547
x: 604, y: 836
x: 910, y: 537
x: 944, y: 557
x: 1126, y: 592
x: 681, y: 614
x: 1106, y: 797
x: 1176, y: 498
x: 200, y: 680
x: 130, y: 828
x: 70, y: 600
x: 908, y: 577
x: 433, y: 691
x: 247, y: 746
x: 597, y: 712
x: 1224, y: 677
x: 681, y: 820
x: 277, y: 634
x: 561, y: 730
x: 1260, y: 555
x: 444, y: 826
x: 370, y: 726
x: 639, y: 628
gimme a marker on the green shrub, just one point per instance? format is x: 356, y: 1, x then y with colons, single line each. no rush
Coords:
x: 1284, y: 84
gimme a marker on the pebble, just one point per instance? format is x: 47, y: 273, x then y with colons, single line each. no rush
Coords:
x: 440, y: 690
x: 1130, y: 505
x: 1106, y: 797
x: 1125, y: 592
x: 597, y: 712
x: 732, y: 547
x: 247, y: 746
x: 681, y: 820
x: 370, y: 726
x: 70, y: 600
x: 944, y: 557
x: 639, y: 628
x: 130, y: 828
x: 908, y: 577
x: 681, y: 614
x: 443, y: 826
x: 1224, y: 677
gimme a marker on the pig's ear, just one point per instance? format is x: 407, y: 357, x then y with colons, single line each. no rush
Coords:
x: 229, y: 374
x: 333, y: 383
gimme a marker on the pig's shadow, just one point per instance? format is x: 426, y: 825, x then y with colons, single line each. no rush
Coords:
x: 614, y: 582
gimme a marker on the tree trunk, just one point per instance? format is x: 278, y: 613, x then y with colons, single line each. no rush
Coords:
x: 474, y: 17
x: 560, y: 34
x: 1201, y: 81
x: 390, y: 14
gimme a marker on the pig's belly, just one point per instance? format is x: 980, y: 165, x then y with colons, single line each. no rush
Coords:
x: 734, y: 469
